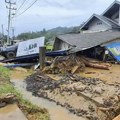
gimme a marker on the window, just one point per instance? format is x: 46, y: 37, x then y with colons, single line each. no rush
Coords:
x: 99, y: 23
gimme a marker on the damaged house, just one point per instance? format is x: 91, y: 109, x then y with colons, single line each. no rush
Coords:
x: 99, y: 37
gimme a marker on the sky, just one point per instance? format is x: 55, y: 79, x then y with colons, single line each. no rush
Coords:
x: 51, y: 13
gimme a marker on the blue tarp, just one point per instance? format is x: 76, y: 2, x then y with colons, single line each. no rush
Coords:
x: 114, y: 49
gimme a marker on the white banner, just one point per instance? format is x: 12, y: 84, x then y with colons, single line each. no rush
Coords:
x: 30, y: 46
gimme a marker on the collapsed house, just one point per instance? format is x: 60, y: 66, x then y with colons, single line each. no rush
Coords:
x: 99, y: 36
x: 90, y: 44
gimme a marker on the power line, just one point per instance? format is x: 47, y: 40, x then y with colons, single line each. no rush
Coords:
x: 21, y: 5
x: 27, y: 8
x: 17, y: 1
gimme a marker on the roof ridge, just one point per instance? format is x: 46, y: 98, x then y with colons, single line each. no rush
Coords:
x: 111, y: 20
x: 94, y: 15
x: 108, y: 19
x: 100, y: 17
x: 116, y: 1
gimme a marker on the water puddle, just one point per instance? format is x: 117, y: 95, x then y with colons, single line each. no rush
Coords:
x: 11, y: 112
x: 8, y: 109
x: 56, y: 112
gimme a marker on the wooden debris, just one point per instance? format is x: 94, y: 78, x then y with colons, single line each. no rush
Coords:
x: 95, y: 65
x: 99, y: 66
x: 117, y: 118
x: 73, y: 64
x: 66, y: 64
x: 75, y: 68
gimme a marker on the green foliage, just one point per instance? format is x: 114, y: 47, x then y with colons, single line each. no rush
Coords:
x: 49, y: 34
x: 49, y: 47
x: 6, y: 88
x: 4, y: 72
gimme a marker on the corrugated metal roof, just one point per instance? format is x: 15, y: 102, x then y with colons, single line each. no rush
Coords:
x: 84, y: 41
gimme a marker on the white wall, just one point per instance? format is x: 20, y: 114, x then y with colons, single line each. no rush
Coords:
x: 64, y: 46
x: 61, y: 45
x: 97, y: 25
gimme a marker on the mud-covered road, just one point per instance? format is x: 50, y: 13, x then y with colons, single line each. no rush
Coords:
x: 81, y: 96
x: 56, y: 112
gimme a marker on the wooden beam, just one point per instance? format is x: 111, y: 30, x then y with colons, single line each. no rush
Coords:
x: 42, y: 51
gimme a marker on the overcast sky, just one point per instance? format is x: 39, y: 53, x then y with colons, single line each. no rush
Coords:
x: 52, y: 13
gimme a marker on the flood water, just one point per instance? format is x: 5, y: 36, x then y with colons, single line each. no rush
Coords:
x: 8, y: 109
x: 11, y: 112
x: 56, y: 112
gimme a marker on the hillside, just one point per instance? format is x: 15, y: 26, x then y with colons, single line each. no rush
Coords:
x: 49, y: 34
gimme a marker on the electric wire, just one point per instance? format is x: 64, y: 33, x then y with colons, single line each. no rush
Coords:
x: 27, y: 8
x: 21, y: 5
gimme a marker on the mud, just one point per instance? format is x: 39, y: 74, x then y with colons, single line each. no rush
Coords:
x: 81, y: 96
x: 11, y: 112
x: 110, y: 76
x: 19, y: 74
x: 56, y: 112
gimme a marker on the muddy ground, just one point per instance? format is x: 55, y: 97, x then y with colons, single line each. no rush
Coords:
x: 110, y: 76
x: 90, y: 98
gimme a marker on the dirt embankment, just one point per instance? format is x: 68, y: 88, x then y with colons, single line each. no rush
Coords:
x: 90, y: 98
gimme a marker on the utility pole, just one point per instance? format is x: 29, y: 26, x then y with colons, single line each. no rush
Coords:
x: 2, y: 34
x: 9, y: 18
x: 13, y: 37
x: 2, y: 29
x: 13, y: 31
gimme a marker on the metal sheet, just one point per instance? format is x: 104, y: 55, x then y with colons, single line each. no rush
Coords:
x: 114, y: 49
x: 30, y: 46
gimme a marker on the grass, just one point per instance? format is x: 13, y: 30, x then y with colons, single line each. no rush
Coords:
x: 49, y: 47
x: 32, y: 112
x: 4, y: 73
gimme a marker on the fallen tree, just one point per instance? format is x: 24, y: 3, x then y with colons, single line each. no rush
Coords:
x: 95, y: 65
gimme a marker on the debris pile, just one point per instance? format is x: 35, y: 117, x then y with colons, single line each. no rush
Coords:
x: 73, y: 64
x: 66, y: 64
x: 89, y: 94
x: 111, y: 106
x: 95, y: 64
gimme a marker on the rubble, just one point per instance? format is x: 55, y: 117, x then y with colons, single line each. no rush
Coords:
x: 73, y: 64
x: 90, y: 100
x: 66, y: 64
x: 95, y: 64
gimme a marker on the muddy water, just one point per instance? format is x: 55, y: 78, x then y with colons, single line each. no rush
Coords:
x: 8, y: 109
x: 11, y: 112
x: 56, y: 112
